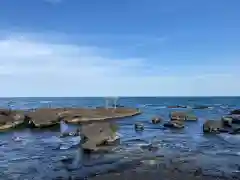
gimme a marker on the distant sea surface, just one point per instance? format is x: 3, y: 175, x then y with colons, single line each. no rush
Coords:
x: 43, y: 155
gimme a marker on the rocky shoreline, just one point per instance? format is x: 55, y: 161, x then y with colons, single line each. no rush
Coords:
x: 49, y: 117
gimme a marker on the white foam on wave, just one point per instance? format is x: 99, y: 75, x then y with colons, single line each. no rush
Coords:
x: 45, y: 102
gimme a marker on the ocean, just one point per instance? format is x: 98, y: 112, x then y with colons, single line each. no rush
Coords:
x: 41, y: 154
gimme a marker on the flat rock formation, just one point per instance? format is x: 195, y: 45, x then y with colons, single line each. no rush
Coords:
x: 228, y: 124
x: 11, y: 119
x: 48, y: 117
x: 98, y: 136
x: 182, y: 116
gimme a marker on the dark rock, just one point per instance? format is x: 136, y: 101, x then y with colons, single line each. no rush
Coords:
x: 156, y: 120
x: 230, y: 120
x: 235, y: 119
x: 213, y: 126
x: 235, y: 129
x: 236, y: 111
x: 177, y: 106
x: 201, y: 107
x: 174, y: 124
x: 139, y: 127
x: 149, y: 147
x: 227, y: 121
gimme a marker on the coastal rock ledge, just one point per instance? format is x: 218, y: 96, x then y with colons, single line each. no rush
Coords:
x: 48, y: 117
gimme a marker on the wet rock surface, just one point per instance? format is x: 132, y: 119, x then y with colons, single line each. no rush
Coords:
x: 97, y: 137
x: 174, y: 124
x: 236, y: 111
x: 213, y: 126
x: 50, y: 117
x: 11, y: 119
x: 156, y: 120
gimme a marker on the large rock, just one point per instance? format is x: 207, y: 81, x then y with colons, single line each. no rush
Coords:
x: 43, y: 118
x: 178, y: 116
x: 213, y: 126
x: 200, y: 107
x: 183, y: 116
x: 11, y: 119
x: 139, y: 126
x: 97, y: 136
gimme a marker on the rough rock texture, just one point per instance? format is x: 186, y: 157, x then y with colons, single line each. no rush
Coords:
x: 11, y: 119
x: 49, y: 117
x: 84, y: 115
x: 178, y: 116
x: 43, y: 118
x: 213, y: 126
x: 97, y: 136
x: 183, y: 116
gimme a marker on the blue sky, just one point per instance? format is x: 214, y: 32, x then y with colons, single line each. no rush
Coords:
x: 124, y: 48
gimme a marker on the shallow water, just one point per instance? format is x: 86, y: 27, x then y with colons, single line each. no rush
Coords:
x: 43, y: 155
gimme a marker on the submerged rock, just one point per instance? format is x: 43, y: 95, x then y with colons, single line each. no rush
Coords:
x: 156, y: 120
x: 174, y: 124
x: 183, y: 116
x: 139, y: 127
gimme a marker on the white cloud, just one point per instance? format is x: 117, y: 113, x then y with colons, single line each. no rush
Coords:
x: 40, y: 68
